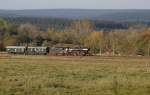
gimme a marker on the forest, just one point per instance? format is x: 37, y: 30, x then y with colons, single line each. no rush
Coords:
x: 102, y: 37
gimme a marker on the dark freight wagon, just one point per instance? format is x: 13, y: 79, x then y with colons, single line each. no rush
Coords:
x: 57, y: 51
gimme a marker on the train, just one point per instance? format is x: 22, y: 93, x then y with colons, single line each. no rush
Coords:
x: 62, y: 51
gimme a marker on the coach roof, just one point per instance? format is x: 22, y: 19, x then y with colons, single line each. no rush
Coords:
x: 15, y: 47
x: 37, y: 47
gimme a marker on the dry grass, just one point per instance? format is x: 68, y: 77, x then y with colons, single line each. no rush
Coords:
x: 44, y: 75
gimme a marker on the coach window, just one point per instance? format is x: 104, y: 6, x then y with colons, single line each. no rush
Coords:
x: 38, y: 49
x: 32, y: 49
x: 44, y: 49
x: 15, y: 50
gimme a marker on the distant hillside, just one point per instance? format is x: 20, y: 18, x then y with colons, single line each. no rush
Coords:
x: 121, y: 15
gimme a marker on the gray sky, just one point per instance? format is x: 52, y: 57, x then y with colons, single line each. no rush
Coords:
x: 78, y: 4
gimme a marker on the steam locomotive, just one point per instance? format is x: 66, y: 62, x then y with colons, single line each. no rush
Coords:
x: 64, y: 51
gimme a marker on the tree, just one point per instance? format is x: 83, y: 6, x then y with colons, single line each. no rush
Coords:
x: 144, y: 41
x: 93, y: 41
x: 3, y: 25
x: 3, y: 29
x: 27, y: 33
x: 81, y: 29
x: 11, y: 40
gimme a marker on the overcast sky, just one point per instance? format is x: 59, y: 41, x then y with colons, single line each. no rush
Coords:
x: 75, y: 4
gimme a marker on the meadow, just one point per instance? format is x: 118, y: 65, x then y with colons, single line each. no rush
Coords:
x: 92, y: 75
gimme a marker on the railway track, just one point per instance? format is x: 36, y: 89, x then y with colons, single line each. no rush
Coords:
x: 4, y: 55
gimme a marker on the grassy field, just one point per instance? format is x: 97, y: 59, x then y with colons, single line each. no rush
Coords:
x: 45, y: 75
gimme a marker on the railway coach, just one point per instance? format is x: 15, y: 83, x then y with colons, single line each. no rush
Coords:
x: 27, y: 50
x: 16, y: 49
x: 37, y: 50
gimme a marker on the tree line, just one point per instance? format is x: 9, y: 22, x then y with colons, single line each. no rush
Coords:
x: 62, y: 23
x: 129, y: 41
